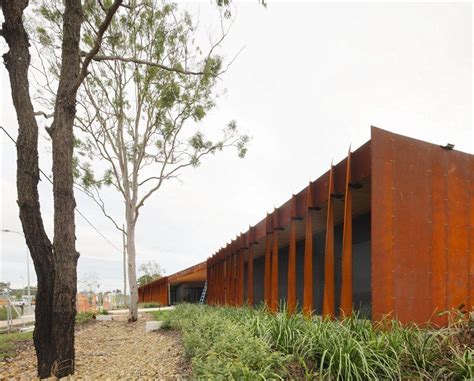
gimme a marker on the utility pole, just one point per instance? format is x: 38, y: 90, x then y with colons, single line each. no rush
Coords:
x: 124, y: 261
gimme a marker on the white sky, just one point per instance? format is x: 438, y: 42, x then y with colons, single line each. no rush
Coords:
x: 311, y: 80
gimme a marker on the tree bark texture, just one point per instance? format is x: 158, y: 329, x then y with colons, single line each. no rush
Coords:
x: 64, y: 243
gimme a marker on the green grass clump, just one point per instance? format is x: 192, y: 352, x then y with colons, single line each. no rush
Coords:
x: 243, y: 343
x: 149, y: 305
x: 82, y: 317
x: 162, y: 315
x: 10, y: 341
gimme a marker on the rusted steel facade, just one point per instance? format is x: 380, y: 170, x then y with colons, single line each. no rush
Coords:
x: 422, y: 243
x: 389, y: 230
x: 405, y: 206
x: 156, y: 291
x: 163, y: 290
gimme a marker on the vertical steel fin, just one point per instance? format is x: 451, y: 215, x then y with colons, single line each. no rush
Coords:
x: 328, y: 298
x: 274, y: 293
x: 346, y: 287
x: 240, y: 283
x: 291, y: 298
x: 308, y: 255
x: 250, y: 267
x: 268, y: 261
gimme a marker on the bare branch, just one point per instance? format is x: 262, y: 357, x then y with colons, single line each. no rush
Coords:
x: 145, y: 62
x: 42, y: 113
x: 100, y: 203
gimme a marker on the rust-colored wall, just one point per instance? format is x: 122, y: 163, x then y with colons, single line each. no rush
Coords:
x: 422, y: 228
x: 156, y: 291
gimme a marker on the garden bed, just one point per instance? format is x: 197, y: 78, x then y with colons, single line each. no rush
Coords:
x: 236, y: 343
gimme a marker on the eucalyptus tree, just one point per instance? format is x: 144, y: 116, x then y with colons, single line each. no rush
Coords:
x: 146, y: 123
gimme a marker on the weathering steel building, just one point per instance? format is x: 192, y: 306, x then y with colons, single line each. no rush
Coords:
x: 388, y: 230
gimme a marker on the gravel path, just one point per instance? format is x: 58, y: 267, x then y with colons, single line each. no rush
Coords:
x: 113, y: 350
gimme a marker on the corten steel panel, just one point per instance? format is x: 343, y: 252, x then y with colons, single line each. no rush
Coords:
x: 229, y: 278
x: 209, y: 281
x: 237, y: 274
x: 328, y: 302
x: 241, y: 274
x: 458, y: 229
x: 346, y: 287
x: 420, y: 256
x: 250, y: 275
x: 382, y: 223
x: 221, y: 284
x: 471, y: 236
x: 308, y: 255
x: 291, y: 298
x: 268, y: 262
x: 232, y: 278
x: 274, y: 290
x: 411, y: 229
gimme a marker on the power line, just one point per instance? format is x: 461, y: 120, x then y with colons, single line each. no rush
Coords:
x: 77, y: 210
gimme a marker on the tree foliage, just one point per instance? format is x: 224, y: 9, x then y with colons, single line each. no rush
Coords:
x: 141, y: 112
x: 150, y: 271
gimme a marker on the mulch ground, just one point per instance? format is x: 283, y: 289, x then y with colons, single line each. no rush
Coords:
x: 113, y: 350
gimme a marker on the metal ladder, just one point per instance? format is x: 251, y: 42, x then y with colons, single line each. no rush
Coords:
x: 203, y: 295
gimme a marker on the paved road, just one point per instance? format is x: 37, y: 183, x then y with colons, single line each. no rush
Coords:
x: 27, y: 319
x: 141, y: 310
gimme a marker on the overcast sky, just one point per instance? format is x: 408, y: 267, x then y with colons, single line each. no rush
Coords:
x: 311, y: 80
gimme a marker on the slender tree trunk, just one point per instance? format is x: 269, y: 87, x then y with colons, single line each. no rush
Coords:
x: 132, y: 274
x: 64, y: 244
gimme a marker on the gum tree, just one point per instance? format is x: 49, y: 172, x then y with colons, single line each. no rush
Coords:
x: 147, y: 123
x: 142, y: 107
